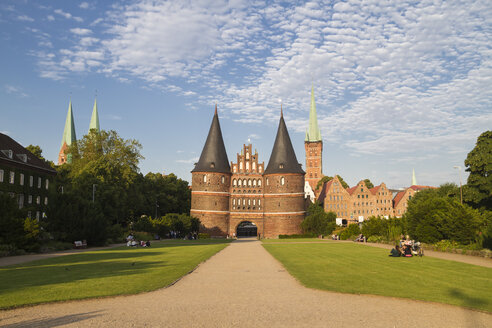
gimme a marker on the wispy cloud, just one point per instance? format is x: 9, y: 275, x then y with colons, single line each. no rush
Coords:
x: 68, y: 15
x: 25, y: 18
x: 188, y: 161
x: 84, y: 5
x: 388, y: 78
x: 16, y: 91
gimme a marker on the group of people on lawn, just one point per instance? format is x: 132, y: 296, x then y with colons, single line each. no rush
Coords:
x: 404, y: 248
x: 131, y: 241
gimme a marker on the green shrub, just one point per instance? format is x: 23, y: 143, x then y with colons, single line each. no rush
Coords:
x: 203, y: 235
x: 376, y: 239
x: 303, y: 235
x: 351, y: 232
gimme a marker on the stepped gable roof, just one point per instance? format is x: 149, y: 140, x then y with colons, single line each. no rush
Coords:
x: 283, y: 158
x: 214, y: 156
x: 324, y: 190
x: 399, y: 197
x: 21, y: 157
x: 351, y: 190
x: 375, y: 189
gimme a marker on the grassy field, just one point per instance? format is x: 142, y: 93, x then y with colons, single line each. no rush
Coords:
x: 359, y: 269
x: 116, y: 271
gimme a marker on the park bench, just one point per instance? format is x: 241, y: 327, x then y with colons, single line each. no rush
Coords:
x: 80, y: 244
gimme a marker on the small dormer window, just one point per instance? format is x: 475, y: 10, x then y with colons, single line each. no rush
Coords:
x: 22, y: 157
x: 281, y: 166
x: 9, y: 153
x: 212, y: 165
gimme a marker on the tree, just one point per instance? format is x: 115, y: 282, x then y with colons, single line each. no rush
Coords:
x: 318, y: 221
x: 11, y: 222
x: 368, y: 183
x: 479, y: 164
x: 431, y: 217
x: 36, y: 151
x: 325, y: 179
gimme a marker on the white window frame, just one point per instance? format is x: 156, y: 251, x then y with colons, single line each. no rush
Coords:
x: 47, y: 184
x: 39, y: 182
x: 21, y: 180
x: 12, y: 177
x: 31, y: 181
x: 1, y: 175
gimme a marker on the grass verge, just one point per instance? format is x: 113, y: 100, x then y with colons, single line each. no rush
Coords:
x: 357, y: 269
x: 117, y: 271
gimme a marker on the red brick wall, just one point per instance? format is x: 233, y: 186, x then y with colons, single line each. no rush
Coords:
x: 314, y: 163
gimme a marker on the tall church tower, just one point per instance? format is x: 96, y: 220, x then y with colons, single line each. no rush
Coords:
x: 283, y: 188
x: 68, y: 137
x: 313, y: 145
x: 211, y: 179
x: 94, y: 118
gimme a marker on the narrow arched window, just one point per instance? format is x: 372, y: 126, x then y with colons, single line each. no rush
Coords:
x: 239, y: 182
x: 259, y: 182
x: 222, y: 179
x: 204, y: 178
x: 234, y: 182
x: 254, y: 183
x: 247, y: 166
x: 282, y: 181
x: 249, y: 182
x: 244, y: 182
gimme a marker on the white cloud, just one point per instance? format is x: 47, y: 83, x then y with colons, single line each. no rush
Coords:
x: 80, y: 31
x: 50, y: 18
x: 400, y: 79
x: 84, y: 5
x: 68, y: 15
x: 188, y: 161
x: 13, y: 90
x: 25, y: 18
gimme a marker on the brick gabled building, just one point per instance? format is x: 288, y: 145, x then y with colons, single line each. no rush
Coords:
x: 244, y: 196
x: 400, y: 202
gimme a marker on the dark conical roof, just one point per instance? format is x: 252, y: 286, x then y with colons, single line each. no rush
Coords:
x: 283, y: 158
x: 214, y: 156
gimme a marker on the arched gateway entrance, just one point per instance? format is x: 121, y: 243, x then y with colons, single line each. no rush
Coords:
x: 246, y: 229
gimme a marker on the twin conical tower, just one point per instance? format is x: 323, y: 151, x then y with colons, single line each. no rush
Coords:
x: 274, y: 203
x: 69, y: 137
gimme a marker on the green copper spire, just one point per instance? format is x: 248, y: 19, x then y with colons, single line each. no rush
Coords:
x: 313, y: 134
x: 95, y: 118
x: 414, y: 179
x: 69, y: 131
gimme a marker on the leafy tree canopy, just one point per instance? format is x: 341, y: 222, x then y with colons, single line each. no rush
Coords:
x: 318, y: 221
x: 479, y: 164
x: 325, y: 179
x: 368, y: 183
x: 36, y: 151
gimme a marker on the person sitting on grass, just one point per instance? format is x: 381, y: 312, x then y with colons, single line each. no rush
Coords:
x: 395, y: 252
x: 407, y: 251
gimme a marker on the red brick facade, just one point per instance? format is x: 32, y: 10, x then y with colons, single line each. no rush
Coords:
x: 273, y: 202
x: 314, y: 163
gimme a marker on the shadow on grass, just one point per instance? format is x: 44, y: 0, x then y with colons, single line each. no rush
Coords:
x: 54, y: 322
x: 468, y: 301
x: 28, y: 277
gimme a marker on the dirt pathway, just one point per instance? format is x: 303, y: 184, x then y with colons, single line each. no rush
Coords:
x: 243, y: 286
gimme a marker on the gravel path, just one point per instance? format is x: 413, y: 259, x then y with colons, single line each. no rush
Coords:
x: 243, y: 286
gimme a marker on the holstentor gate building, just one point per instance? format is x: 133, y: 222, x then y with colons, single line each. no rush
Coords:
x: 225, y: 195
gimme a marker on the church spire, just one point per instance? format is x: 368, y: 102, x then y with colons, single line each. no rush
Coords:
x: 68, y: 138
x: 95, y: 118
x: 214, y: 156
x: 414, y: 179
x: 313, y: 133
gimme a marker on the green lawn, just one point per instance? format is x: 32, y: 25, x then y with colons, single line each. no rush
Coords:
x: 359, y: 269
x: 116, y: 271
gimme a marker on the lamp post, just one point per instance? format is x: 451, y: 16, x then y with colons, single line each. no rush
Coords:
x: 461, y: 190
x: 93, y: 192
x: 156, y: 206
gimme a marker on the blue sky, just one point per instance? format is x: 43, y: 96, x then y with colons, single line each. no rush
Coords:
x: 399, y: 85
